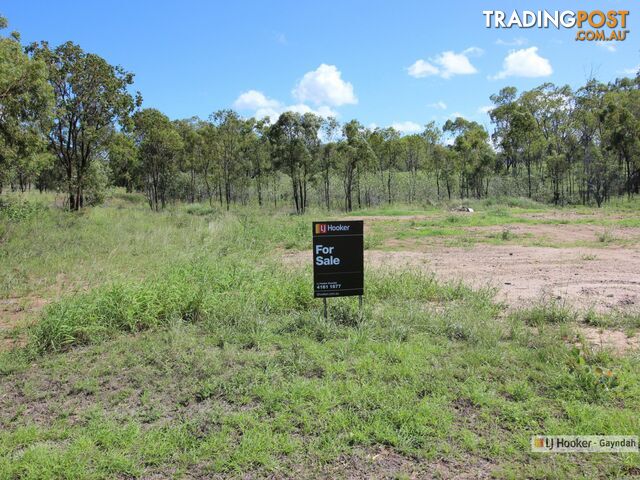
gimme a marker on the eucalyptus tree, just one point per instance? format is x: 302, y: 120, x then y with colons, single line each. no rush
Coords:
x: 311, y: 128
x: 191, y: 155
x: 210, y: 167
x: 435, y: 156
x: 25, y: 108
x: 598, y: 175
x: 124, y: 161
x: 387, y: 147
x: 288, y: 136
x: 159, y: 145
x: 90, y: 96
x: 258, y: 152
x: 474, y: 154
x: 502, y: 115
x: 622, y: 132
x: 446, y: 157
x: 355, y: 153
x: 331, y: 131
x: 415, y: 152
x: 552, y: 107
x: 230, y: 134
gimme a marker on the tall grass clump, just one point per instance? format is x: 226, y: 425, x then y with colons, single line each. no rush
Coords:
x: 552, y: 313
x: 226, y: 292
x: 15, y: 208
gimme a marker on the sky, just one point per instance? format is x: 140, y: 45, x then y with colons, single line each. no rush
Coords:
x: 387, y: 63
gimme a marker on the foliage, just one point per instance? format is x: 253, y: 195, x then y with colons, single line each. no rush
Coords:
x: 90, y: 97
x: 25, y: 106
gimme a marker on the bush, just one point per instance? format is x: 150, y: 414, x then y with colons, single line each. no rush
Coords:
x: 17, y: 208
x: 97, y: 184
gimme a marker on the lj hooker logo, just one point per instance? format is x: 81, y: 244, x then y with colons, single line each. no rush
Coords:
x: 323, y: 228
x: 594, y: 25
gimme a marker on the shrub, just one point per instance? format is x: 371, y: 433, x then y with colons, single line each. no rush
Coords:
x: 17, y: 209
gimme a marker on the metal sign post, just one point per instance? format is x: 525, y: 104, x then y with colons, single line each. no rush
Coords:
x: 338, y: 260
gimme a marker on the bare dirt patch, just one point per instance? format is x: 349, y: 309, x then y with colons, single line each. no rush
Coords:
x: 614, y: 340
x: 384, y: 463
x: 15, y: 312
x: 604, y: 279
x: 563, y: 233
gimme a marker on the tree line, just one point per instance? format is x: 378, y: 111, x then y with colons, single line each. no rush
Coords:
x: 69, y: 123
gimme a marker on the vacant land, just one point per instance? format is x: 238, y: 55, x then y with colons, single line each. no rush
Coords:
x: 187, y: 344
x: 585, y: 266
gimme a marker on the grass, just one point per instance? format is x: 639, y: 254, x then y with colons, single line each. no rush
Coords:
x: 180, y: 344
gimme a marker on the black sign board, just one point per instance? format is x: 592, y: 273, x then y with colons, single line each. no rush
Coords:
x: 338, y: 259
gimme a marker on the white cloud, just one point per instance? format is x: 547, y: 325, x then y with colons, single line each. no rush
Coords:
x: 455, y: 115
x: 407, y: 127
x: 524, y: 63
x: 473, y: 51
x: 630, y: 71
x: 446, y: 64
x: 516, y: 42
x: 322, y: 110
x: 254, y: 100
x: 421, y: 69
x: 485, y: 109
x: 440, y: 105
x: 324, y: 86
x: 263, y: 106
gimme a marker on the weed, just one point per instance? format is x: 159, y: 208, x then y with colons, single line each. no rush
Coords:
x: 606, y: 236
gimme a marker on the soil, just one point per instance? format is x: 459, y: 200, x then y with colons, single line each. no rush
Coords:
x: 14, y: 312
x: 564, y: 233
x: 618, y: 341
x: 603, y: 279
x: 384, y: 463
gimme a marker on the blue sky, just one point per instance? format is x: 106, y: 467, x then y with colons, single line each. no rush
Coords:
x: 195, y: 57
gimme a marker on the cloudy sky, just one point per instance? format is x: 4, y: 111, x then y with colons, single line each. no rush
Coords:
x: 401, y: 63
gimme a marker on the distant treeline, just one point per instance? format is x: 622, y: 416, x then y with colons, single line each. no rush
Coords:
x: 69, y: 123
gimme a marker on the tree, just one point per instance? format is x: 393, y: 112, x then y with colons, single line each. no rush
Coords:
x: 355, y: 154
x: 290, y: 154
x: 474, y: 154
x: 90, y: 96
x: 259, y: 153
x: 589, y: 119
x: 192, y: 154
x: 25, y: 108
x: 330, y: 131
x: 386, y: 145
x: 414, y: 148
x: 432, y: 137
x: 229, y: 137
x: 159, y: 146
x: 622, y: 133
x: 124, y: 161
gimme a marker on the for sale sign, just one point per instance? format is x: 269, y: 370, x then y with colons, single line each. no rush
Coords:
x: 338, y: 258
